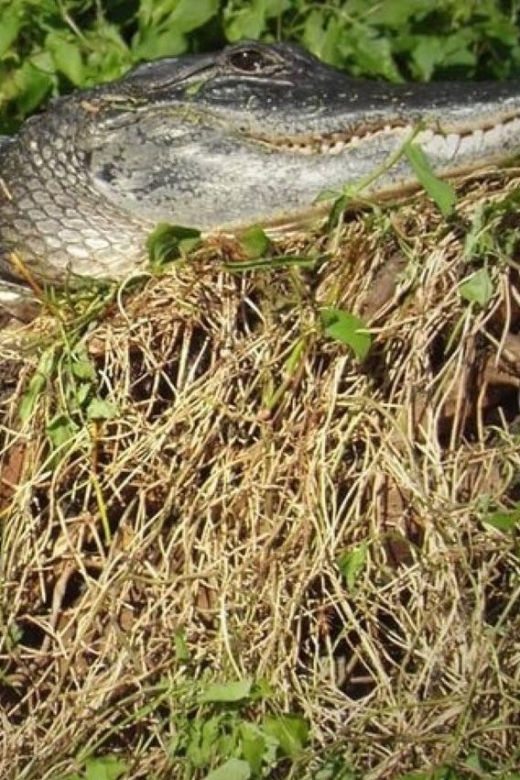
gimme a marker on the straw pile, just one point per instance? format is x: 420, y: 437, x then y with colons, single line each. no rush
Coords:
x: 262, y: 504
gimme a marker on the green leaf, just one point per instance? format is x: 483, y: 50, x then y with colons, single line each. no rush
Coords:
x: 371, y: 52
x: 61, y: 430
x: 254, y: 746
x: 321, y: 36
x: 188, y: 16
x: 290, y: 731
x: 106, y: 768
x: 10, y: 23
x: 83, y: 369
x: 342, y: 326
x: 255, y: 242
x: 152, y: 43
x: 477, y: 288
x: 442, y: 193
x: 245, y: 23
x: 432, y: 51
x: 169, y: 242
x: 182, y: 654
x: 99, y: 409
x: 37, y: 384
x: 233, y: 769
x: 66, y: 55
x: 226, y: 692
x: 351, y: 563
x: 33, y: 83
x: 504, y: 521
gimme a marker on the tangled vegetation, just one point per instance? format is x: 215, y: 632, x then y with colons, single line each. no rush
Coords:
x: 260, y: 504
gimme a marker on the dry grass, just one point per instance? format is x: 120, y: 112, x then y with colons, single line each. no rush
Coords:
x: 249, y: 455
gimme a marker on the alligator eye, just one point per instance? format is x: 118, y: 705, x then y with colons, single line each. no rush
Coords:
x: 249, y: 60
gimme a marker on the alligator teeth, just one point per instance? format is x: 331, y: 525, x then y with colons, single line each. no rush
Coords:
x: 444, y: 143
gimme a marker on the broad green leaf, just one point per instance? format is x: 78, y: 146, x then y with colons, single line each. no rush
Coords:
x: 321, y: 35
x: 233, y: 769
x: 255, y: 242
x: 442, y: 193
x: 222, y: 692
x: 79, y: 395
x: 477, y: 288
x: 370, y: 51
x: 10, y: 23
x: 503, y: 521
x: 106, y: 768
x: 61, y: 430
x: 254, y: 746
x: 290, y: 731
x: 396, y: 15
x: 152, y: 43
x: 169, y: 242
x: 83, y: 369
x: 66, y: 55
x: 33, y: 83
x: 351, y: 563
x: 430, y: 52
x: 98, y: 409
x: 245, y: 23
x: 342, y: 326
x: 188, y: 15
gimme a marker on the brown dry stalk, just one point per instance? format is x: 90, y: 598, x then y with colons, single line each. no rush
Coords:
x: 231, y: 482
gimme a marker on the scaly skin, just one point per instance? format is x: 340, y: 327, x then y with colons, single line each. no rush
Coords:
x: 251, y: 134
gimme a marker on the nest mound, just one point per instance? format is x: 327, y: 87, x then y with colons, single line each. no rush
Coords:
x: 263, y: 504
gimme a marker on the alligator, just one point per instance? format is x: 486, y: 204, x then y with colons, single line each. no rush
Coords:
x: 249, y: 135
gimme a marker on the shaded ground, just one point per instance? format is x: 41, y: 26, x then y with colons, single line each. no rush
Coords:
x: 290, y: 512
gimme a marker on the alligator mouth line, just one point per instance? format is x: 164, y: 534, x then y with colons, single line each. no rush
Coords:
x: 490, y: 133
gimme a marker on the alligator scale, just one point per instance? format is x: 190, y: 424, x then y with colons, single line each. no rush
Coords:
x: 251, y: 134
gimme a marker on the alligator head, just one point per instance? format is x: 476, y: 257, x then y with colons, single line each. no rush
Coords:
x: 251, y: 134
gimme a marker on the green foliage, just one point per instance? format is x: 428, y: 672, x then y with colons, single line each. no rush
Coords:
x: 75, y: 381
x: 342, y: 326
x: 255, y: 242
x: 477, y: 288
x: 506, y: 521
x: 442, y: 193
x: 493, y: 233
x: 48, y: 47
x: 352, y: 563
x: 171, y: 242
x: 226, y: 692
x: 103, y: 768
x: 222, y: 738
x: 291, y: 732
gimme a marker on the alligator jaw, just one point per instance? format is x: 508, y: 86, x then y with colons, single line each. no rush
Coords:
x: 252, y: 134
x: 475, y: 138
